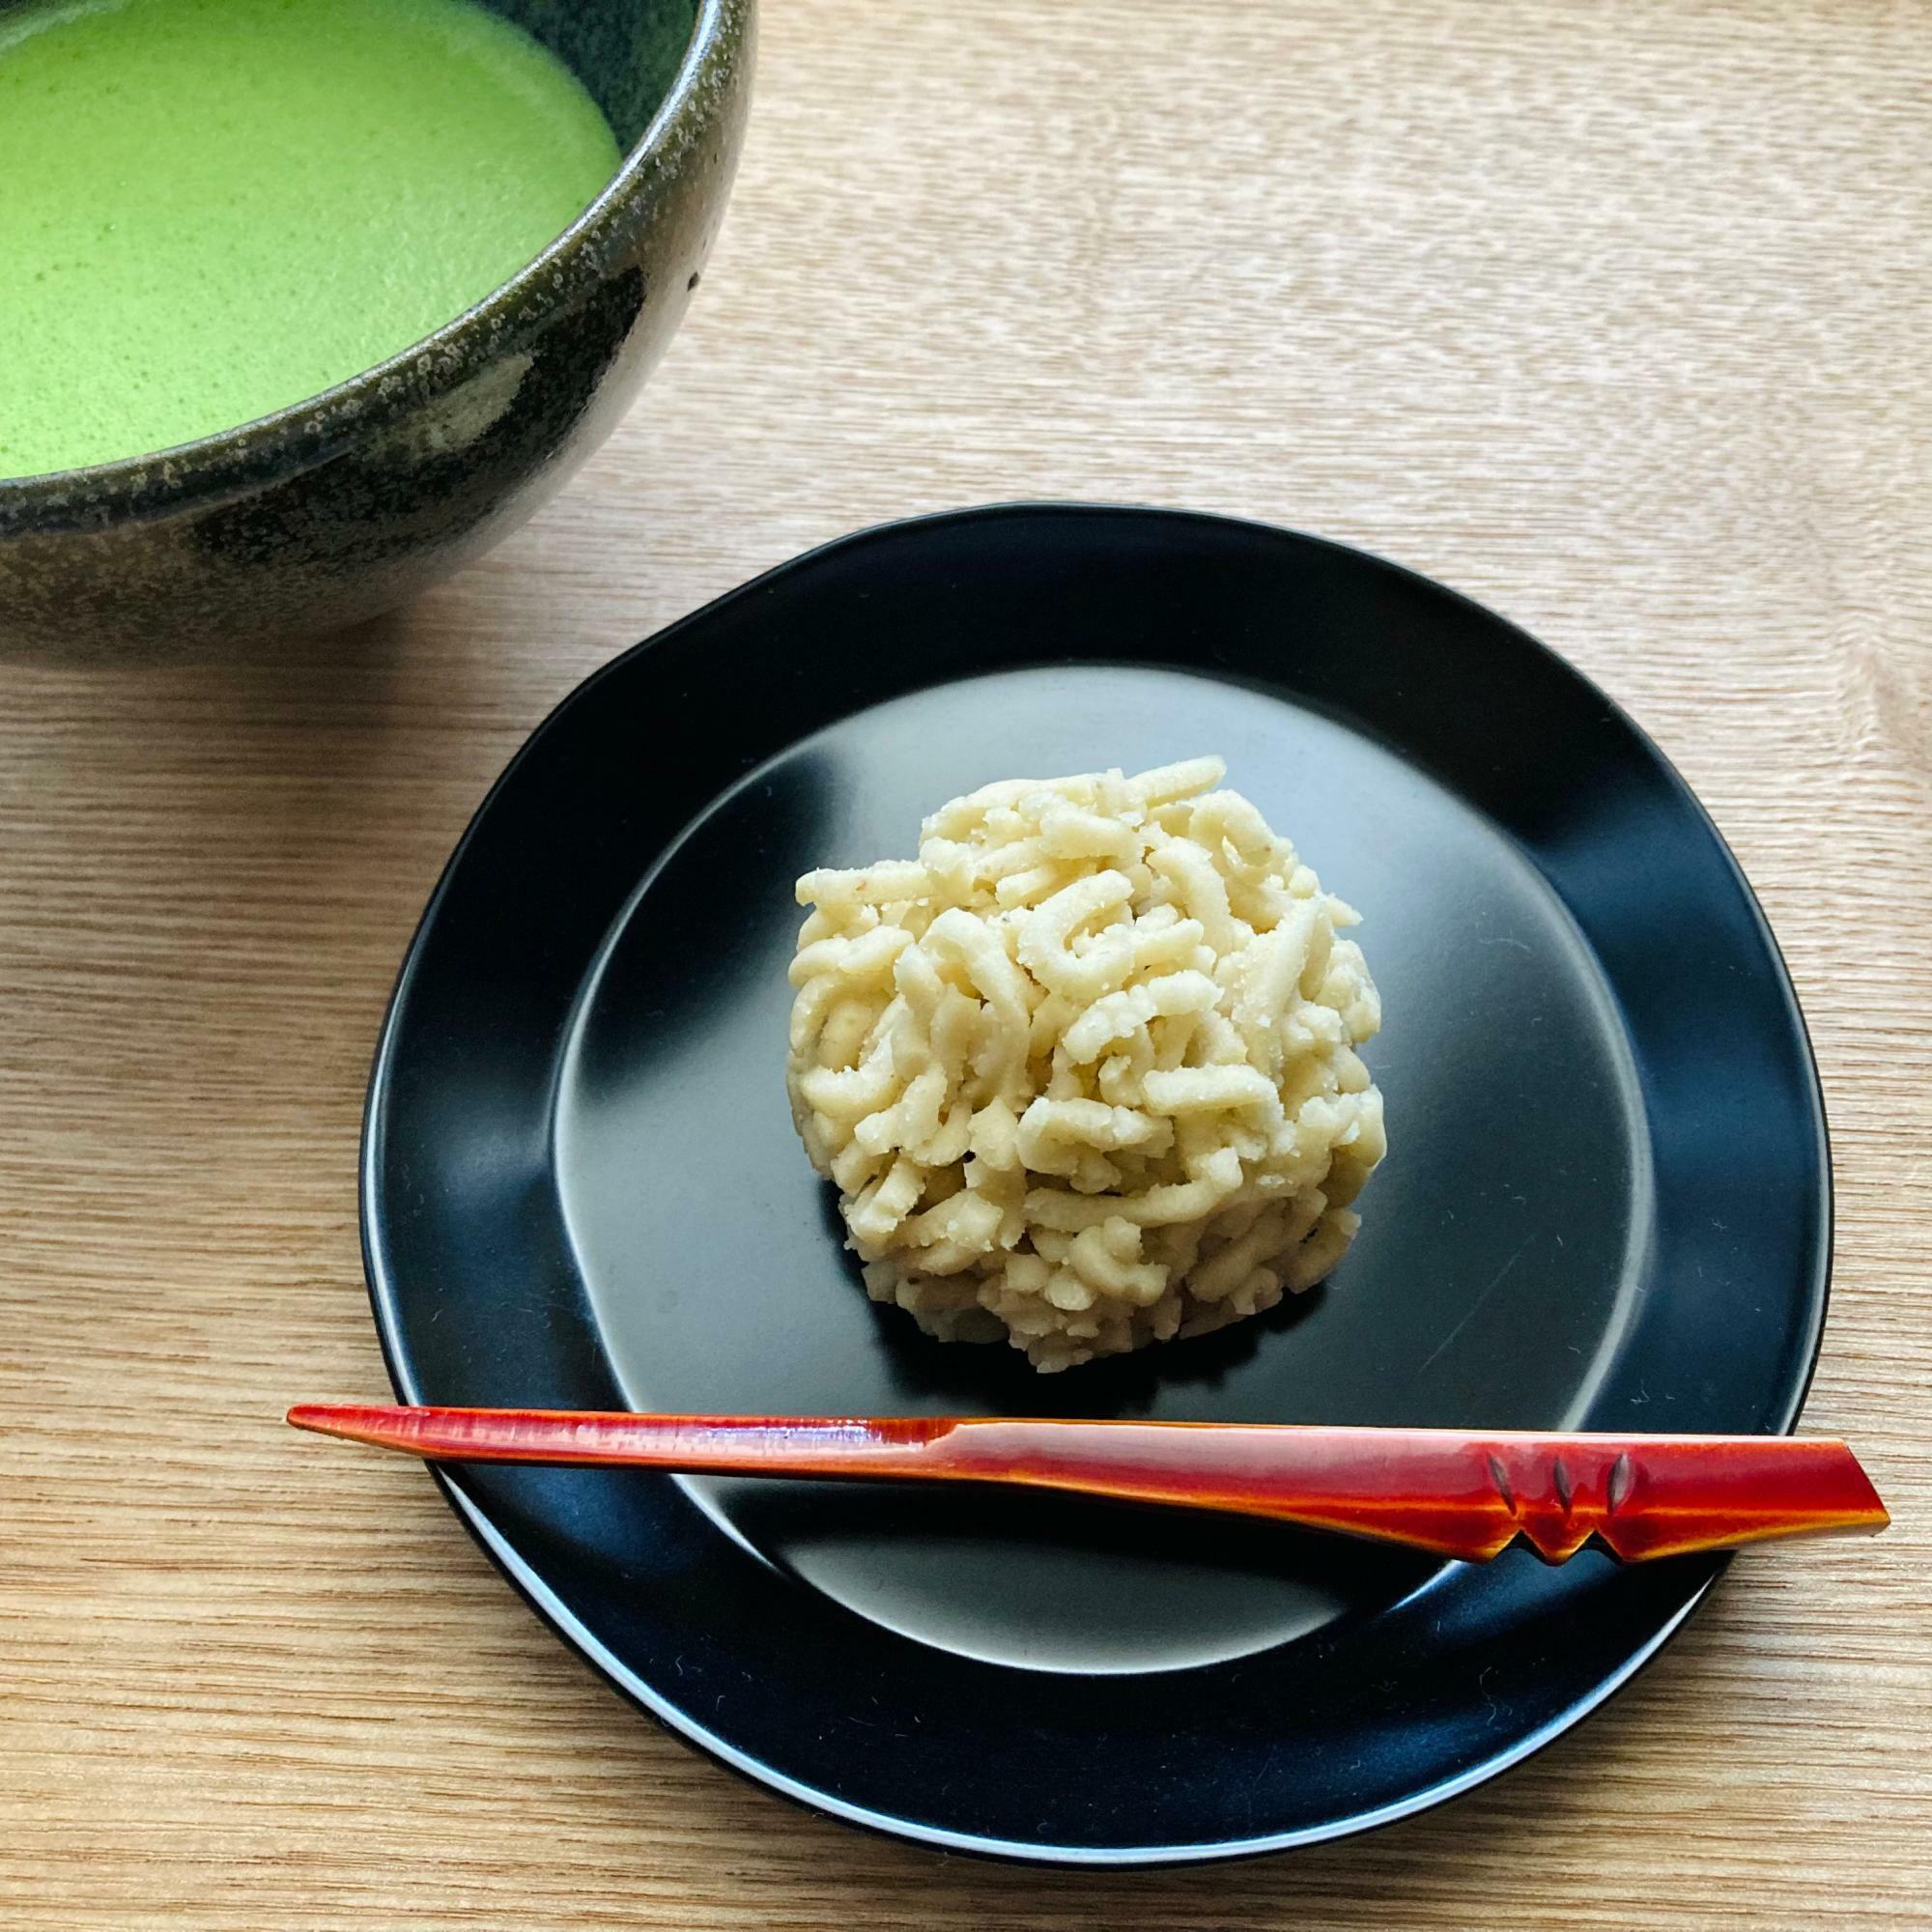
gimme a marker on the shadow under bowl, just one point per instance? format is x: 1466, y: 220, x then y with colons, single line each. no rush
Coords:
x: 362, y: 496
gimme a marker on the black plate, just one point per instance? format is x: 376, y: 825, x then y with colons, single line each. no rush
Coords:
x: 1607, y: 1204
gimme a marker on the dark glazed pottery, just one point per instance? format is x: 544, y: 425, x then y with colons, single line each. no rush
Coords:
x: 361, y: 497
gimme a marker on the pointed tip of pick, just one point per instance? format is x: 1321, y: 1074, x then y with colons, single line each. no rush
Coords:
x: 325, y: 1418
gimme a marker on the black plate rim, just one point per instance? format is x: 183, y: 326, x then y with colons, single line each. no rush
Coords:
x: 1006, y: 1851
x: 531, y: 1586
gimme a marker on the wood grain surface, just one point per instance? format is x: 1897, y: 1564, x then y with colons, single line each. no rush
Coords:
x: 1616, y: 318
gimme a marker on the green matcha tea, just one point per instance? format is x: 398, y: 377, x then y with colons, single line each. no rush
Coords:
x: 212, y: 209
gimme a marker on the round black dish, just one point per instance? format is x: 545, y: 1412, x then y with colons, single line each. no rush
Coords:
x: 1607, y: 1203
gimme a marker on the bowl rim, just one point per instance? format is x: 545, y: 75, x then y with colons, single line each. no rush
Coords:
x: 228, y: 462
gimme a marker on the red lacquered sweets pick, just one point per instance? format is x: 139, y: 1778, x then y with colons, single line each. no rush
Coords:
x: 1458, y: 1492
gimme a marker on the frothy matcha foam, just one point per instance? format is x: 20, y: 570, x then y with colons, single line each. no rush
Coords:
x: 212, y: 209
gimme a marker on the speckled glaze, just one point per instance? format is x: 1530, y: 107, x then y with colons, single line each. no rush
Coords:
x: 360, y: 497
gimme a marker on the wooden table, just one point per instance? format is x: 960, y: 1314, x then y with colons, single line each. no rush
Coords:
x: 1616, y: 318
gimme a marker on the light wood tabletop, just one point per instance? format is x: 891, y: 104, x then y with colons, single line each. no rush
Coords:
x: 1617, y: 319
